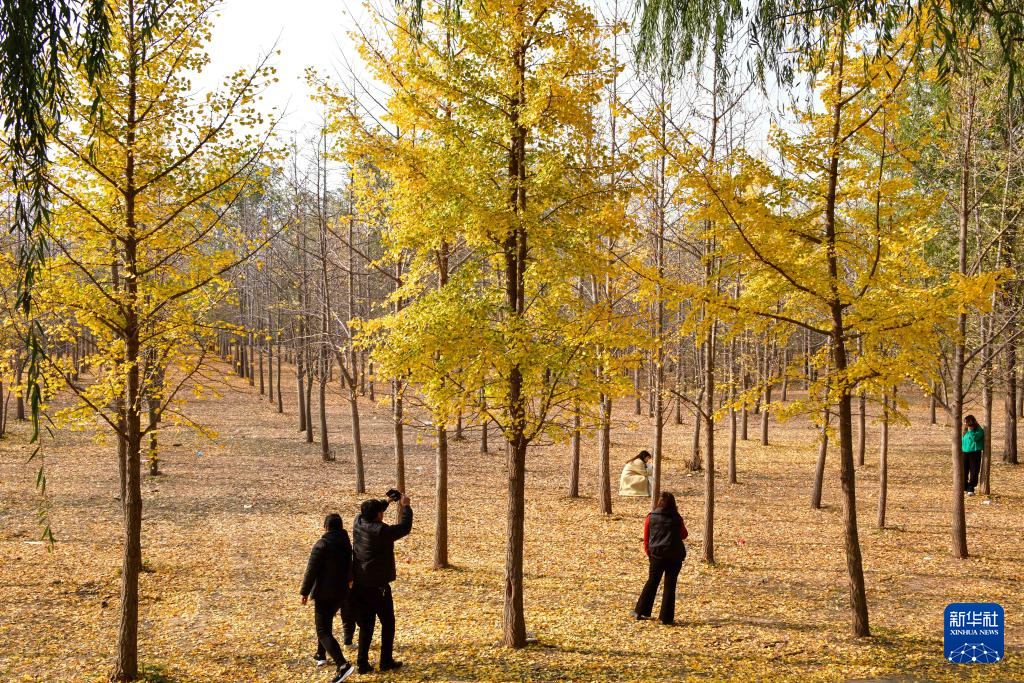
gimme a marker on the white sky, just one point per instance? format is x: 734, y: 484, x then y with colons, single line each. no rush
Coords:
x: 307, y: 32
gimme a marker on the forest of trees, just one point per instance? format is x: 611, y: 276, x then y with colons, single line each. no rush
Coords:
x: 515, y: 215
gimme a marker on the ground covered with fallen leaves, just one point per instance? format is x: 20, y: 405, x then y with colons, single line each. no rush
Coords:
x: 228, y: 526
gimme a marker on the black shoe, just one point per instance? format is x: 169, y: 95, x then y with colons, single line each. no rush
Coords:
x: 364, y: 669
x: 344, y: 671
x: 390, y: 666
x: 348, y: 643
x: 671, y: 622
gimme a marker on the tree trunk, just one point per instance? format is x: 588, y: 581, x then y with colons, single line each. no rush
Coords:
x: 300, y: 398
x: 574, y: 455
x: 819, y: 470
x: 766, y: 401
x: 441, y: 500
x: 854, y: 564
x: 19, y: 404
x: 259, y: 352
x: 325, y: 447
x: 280, y: 396
x: 883, y: 462
x: 637, y: 404
x: 862, y: 428
x: 958, y: 524
x: 695, y: 463
x: 399, y: 433
x: 604, y: 444
x: 357, y: 441
x: 308, y: 398
x: 1010, y: 407
x: 270, y: 370
x: 484, y: 448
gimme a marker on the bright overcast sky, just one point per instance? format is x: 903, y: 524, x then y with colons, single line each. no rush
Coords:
x: 307, y: 32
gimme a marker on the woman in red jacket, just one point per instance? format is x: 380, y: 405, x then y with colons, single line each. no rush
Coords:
x: 664, y: 533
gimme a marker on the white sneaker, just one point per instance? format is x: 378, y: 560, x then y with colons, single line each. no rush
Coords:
x: 344, y: 671
x: 970, y: 493
x: 320, y: 661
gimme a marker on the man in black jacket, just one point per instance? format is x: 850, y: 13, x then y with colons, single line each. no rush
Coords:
x: 374, y: 570
x: 326, y: 579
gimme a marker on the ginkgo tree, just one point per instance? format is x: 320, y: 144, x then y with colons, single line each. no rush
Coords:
x: 492, y: 154
x: 140, y: 242
x: 831, y: 234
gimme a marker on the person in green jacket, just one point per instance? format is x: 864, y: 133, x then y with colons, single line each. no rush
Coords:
x: 972, y: 444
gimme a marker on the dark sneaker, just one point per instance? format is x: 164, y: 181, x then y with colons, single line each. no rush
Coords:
x: 390, y: 666
x: 344, y: 671
x: 320, y: 660
x: 365, y: 669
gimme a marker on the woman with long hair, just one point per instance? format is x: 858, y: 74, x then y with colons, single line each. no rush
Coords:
x: 664, y: 533
x: 973, y: 445
x: 636, y: 476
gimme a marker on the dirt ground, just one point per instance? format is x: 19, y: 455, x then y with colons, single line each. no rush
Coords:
x: 228, y: 526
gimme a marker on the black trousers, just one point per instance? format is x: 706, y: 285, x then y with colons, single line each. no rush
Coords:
x: 323, y: 615
x: 972, y: 466
x: 657, y: 568
x: 370, y: 604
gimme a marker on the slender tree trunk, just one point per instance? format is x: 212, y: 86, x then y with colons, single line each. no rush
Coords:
x: 604, y: 444
x: 126, y: 666
x: 958, y: 525
x: 637, y: 404
x: 1010, y: 407
x: 325, y: 447
x: 862, y: 428
x: 397, y: 422
x: 308, y: 398
x: 19, y: 404
x: 300, y: 397
x: 357, y: 441
x: 854, y: 563
x: 744, y: 412
x: 883, y: 462
x: 484, y: 422
x: 441, y: 502
x: 695, y: 464
x: 280, y: 396
x: 819, y: 470
x: 766, y: 401
x: 263, y: 389
x: 574, y: 454
x: 270, y: 370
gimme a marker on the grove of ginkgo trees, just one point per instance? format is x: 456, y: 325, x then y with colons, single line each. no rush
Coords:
x: 508, y: 207
x: 528, y: 225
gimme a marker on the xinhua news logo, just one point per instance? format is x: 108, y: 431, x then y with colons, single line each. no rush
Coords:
x: 974, y: 633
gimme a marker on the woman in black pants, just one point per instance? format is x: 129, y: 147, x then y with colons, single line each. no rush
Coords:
x: 664, y: 533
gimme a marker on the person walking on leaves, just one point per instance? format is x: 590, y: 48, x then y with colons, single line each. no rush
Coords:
x: 973, y: 445
x: 326, y: 579
x: 374, y: 570
x: 664, y: 533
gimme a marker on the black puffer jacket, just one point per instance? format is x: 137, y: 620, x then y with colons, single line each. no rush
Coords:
x: 329, y: 567
x: 374, y: 548
x: 665, y: 536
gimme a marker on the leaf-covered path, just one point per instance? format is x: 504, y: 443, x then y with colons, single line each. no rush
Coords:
x: 228, y: 527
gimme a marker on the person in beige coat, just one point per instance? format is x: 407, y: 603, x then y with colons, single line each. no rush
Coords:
x: 636, y: 476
